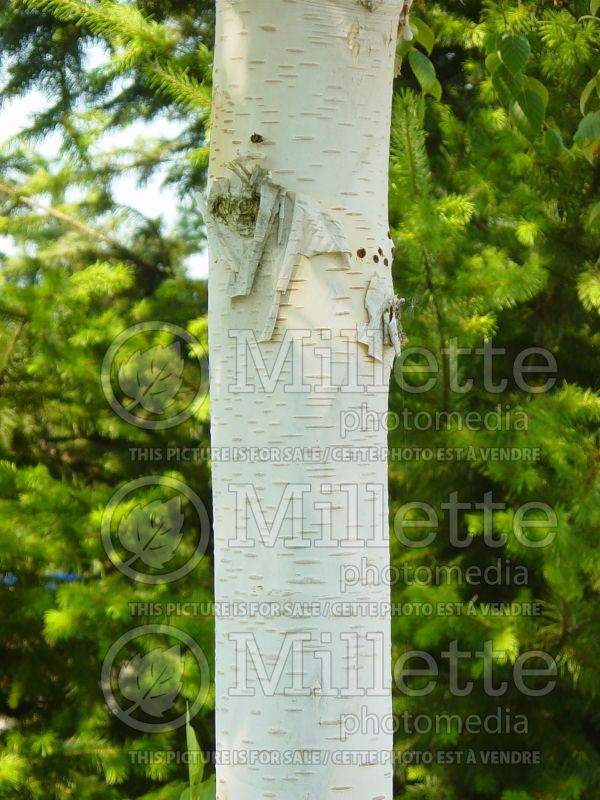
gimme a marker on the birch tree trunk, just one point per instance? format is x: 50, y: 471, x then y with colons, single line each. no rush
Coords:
x: 303, y: 328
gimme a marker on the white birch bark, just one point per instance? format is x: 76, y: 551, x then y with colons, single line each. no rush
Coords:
x: 300, y: 255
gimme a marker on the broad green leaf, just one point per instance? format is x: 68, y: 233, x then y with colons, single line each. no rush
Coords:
x: 423, y: 69
x: 492, y: 62
x: 527, y: 112
x: 589, y: 128
x: 588, y: 135
x: 436, y: 90
x: 195, y: 762
x: 594, y: 6
x: 207, y: 790
x: 553, y: 141
x: 514, y: 50
x: 536, y: 86
x: 506, y: 85
x: 593, y: 83
x: 423, y: 33
x: 204, y: 791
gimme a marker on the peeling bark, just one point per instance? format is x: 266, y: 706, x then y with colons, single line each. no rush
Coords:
x: 240, y: 219
x: 300, y: 279
x: 404, y: 31
x: 384, y: 326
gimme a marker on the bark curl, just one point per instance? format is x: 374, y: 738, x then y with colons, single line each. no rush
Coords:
x: 253, y: 213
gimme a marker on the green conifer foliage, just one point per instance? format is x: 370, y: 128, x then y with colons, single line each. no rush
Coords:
x: 66, y: 293
x: 494, y: 200
x: 77, y: 269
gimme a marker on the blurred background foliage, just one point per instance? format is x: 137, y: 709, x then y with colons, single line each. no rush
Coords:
x: 495, y: 214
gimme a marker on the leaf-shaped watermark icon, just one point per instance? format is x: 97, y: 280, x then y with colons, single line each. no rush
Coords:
x: 152, y: 532
x: 140, y: 689
x: 152, y: 377
x: 155, y: 375
x: 152, y: 681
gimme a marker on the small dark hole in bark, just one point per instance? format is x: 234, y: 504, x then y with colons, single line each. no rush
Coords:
x: 380, y: 251
x: 361, y: 253
x: 256, y: 138
x: 376, y: 259
x: 386, y: 262
x: 389, y: 235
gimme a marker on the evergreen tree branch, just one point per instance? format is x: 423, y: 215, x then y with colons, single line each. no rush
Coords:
x: 60, y: 215
x: 73, y: 222
x: 8, y: 354
x: 428, y: 272
x: 180, y: 86
x: 109, y: 19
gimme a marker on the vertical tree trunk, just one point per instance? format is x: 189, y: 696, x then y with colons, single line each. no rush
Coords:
x: 303, y: 328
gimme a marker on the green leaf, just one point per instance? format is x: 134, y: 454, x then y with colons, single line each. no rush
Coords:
x: 514, y: 50
x: 436, y: 90
x: 527, y: 112
x: 423, y: 69
x: 207, y: 790
x: 195, y: 762
x: 492, y: 62
x: 593, y: 83
x: 538, y: 87
x: 589, y: 128
x: 594, y: 6
x: 587, y: 135
x: 423, y: 33
x: 553, y: 141
x: 506, y: 85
